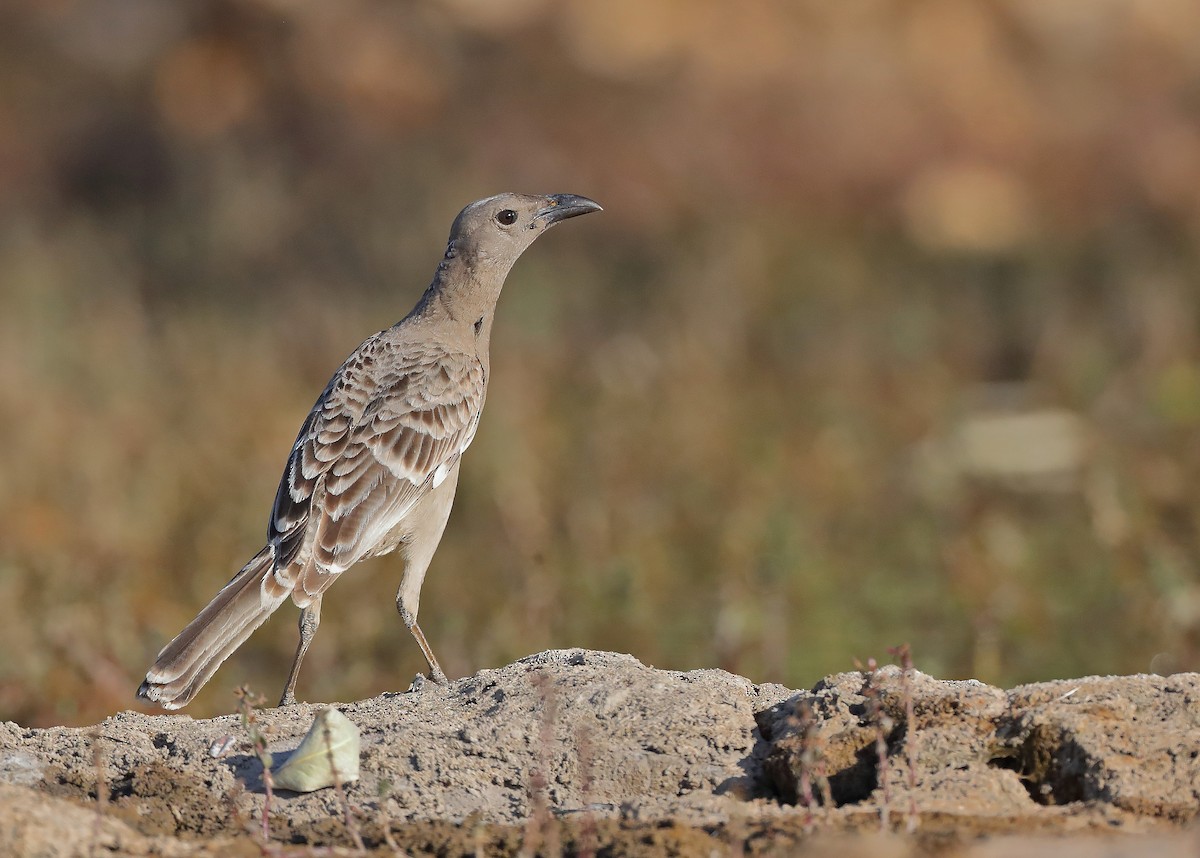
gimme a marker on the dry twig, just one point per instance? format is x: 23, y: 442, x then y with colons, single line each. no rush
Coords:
x: 247, y: 701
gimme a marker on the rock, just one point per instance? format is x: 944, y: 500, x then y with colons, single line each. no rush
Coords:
x: 578, y: 746
x: 1127, y: 742
x: 955, y: 743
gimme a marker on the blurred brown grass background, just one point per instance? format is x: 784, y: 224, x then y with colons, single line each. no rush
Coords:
x: 889, y: 331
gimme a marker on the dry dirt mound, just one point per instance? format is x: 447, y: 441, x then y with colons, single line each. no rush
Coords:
x: 577, y: 750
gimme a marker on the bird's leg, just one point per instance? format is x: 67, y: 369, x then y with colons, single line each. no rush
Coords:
x: 410, y: 622
x: 425, y: 527
x: 310, y: 618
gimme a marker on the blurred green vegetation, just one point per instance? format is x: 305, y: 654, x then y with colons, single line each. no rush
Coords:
x: 889, y: 331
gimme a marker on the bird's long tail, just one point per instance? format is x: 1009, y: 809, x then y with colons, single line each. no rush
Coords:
x: 187, y: 662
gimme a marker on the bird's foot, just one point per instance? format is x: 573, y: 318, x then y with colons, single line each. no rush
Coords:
x: 421, y: 682
x: 288, y: 699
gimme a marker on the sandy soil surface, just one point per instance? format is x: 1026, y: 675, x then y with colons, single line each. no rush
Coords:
x: 585, y: 752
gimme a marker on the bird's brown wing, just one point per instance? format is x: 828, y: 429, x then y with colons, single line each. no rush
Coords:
x: 389, y: 427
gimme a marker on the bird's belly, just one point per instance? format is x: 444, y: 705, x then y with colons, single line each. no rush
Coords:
x: 390, y: 542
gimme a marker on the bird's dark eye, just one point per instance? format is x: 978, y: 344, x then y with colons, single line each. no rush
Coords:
x: 507, y: 217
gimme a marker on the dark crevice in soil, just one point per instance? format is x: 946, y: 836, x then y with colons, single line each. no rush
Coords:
x: 1052, y: 766
x: 798, y: 761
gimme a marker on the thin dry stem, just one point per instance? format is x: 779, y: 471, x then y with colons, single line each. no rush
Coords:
x: 247, y: 701
x: 882, y: 722
x: 383, y: 791
x: 812, y: 761
x: 587, y: 825
x: 903, y: 654
x: 98, y: 760
x: 347, y: 810
x: 540, y: 833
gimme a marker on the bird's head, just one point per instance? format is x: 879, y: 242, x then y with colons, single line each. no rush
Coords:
x: 495, y: 231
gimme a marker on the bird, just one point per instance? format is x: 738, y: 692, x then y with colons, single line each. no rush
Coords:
x: 375, y: 465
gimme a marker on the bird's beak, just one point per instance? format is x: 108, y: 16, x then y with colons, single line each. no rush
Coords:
x: 563, y: 206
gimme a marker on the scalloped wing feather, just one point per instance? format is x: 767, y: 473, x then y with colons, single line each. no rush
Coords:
x: 371, y: 448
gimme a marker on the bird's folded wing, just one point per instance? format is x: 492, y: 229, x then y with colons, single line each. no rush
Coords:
x: 388, y: 428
